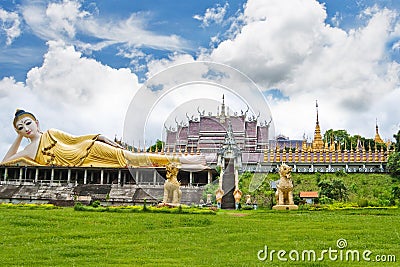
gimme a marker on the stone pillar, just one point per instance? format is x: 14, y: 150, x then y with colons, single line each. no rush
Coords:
x: 119, y: 177
x: 190, y: 178
x: 236, y: 179
x: 85, y: 177
x: 5, y: 174
x: 101, y: 176
x: 209, y: 176
x: 52, y: 176
x: 36, y: 175
x: 21, y: 171
x: 220, y: 177
x: 137, y: 176
x: 69, y: 176
x: 154, y: 177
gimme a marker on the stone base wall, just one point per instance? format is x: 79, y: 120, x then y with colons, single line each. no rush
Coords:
x: 108, y: 194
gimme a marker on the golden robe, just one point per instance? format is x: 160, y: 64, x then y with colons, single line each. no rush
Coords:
x: 62, y: 149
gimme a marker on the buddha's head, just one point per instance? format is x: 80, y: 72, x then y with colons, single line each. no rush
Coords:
x: 26, y: 124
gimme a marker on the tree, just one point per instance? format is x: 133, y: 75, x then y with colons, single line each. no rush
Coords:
x: 157, y: 146
x: 263, y: 195
x: 334, y: 189
x: 210, y: 189
x: 393, y: 164
x: 347, y: 141
x: 396, y: 192
x: 397, y: 144
x: 337, y: 137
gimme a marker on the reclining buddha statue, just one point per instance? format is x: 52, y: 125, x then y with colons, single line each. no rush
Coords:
x: 55, y: 147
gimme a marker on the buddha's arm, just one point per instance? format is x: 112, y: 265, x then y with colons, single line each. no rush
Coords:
x: 104, y: 139
x: 13, y: 149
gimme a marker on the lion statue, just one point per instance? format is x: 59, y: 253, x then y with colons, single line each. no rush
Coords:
x: 284, y: 192
x: 172, y: 193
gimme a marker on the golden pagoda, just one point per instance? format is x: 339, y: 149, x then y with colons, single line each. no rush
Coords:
x: 378, y: 139
x: 317, y: 143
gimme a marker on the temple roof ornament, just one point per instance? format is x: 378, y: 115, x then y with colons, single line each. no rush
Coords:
x: 377, y: 138
x: 317, y: 142
x: 222, y: 115
x: 229, y: 148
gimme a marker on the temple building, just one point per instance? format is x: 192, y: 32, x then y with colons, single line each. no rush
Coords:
x: 235, y: 143
x: 206, y: 134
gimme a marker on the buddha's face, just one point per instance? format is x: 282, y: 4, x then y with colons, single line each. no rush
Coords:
x: 27, y: 127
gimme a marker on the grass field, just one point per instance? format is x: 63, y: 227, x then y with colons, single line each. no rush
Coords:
x: 64, y: 237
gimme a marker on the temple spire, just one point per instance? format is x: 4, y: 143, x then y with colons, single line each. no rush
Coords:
x: 223, y: 106
x: 222, y: 114
x: 317, y: 142
x: 377, y: 138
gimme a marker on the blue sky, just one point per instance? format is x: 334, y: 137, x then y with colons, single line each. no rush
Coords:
x: 74, y: 61
x: 158, y: 17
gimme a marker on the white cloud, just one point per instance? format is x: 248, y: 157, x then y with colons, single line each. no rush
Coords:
x: 155, y: 66
x: 287, y: 45
x: 10, y: 24
x: 62, y: 21
x: 71, y: 93
x: 63, y: 17
x: 212, y: 15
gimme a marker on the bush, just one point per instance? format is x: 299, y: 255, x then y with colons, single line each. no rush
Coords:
x: 362, y: 203
x: 393, y: 164
x: 95, y: 204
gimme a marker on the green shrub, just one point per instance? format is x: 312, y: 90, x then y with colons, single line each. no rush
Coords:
x: 95, y: 204
x: 362, y: 203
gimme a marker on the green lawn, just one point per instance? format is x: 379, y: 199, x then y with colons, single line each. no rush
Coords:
x: 64, y: 237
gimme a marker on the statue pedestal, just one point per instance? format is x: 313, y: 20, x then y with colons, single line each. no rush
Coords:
x: 285, y: 207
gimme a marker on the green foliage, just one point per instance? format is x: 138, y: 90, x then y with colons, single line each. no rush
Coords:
x: 393, y: 164
x: 362, y: 202
x: 181, y: 209
x: 210, y: 188
x: 396, y: 192
x: 263, y: 194
x: 95, y: 204
x: 30, y: 206
x: 325, y: 200
x: 340, y: 173
x: 334, y: 189
x: 347, y: 141
x: 318, y: 177
x: 397, y: 144
x: 157, y: 146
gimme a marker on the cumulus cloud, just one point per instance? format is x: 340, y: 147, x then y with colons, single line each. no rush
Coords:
x: 212, y: 15
x: 71, y: 93
x: 288, y: 45
x: 10, y: 25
